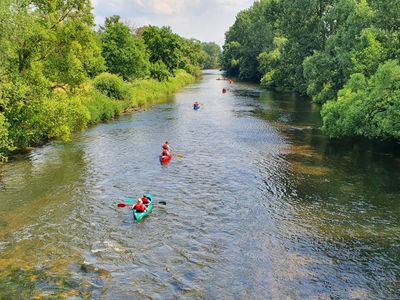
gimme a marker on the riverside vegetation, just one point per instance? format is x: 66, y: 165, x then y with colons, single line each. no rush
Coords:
x: 342, y: 53
x: 58, y: 75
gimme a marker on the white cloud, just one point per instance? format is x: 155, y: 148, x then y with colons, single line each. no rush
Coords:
x: 206, y: 20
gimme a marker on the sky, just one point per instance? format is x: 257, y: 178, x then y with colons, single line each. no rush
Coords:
x: 205, y: 20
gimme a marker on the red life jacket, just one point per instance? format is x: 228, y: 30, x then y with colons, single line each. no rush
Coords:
x: 145, y: 200
x: 165, y: 153
x: 139, y: 208
x: 165, y: 146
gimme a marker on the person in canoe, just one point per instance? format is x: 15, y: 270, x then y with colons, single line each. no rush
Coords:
x: 224, y: 90
x: 166, y: 146
x: 139, y: 206
x: 165, y: 152
x: 146, y: 201
x: 196, y: 105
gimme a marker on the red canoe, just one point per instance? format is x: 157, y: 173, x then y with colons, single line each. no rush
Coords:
x: 165, y: 159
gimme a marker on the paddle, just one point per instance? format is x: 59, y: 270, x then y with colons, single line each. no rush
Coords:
x: 129, y: 204
x: 180, y: 155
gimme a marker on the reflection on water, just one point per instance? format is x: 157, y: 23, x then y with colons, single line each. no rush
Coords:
x: 261, y: 205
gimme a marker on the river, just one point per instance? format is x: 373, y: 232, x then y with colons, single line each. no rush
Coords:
x: 260, y: 206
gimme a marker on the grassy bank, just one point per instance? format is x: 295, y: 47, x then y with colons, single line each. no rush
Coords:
x: 60, y: 113
x: 109, y: 100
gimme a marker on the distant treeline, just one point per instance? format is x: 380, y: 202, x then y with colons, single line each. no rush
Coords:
x: 53, y: 64
x: 343, y: 53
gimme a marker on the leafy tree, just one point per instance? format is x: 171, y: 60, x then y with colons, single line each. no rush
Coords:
x: 125, y: 54
x: 45, y: 45
x: 367, y: 107
x: 322, y: 76
x: 213, y: 52
x: 269, y: 62
x: 169, y: 50
x: 164, y: 46
x: 192, y: 56
x: 357, y: 44
x: 251, y: 34
x: 231, y: 58
x: 5, y: 142
x: 302, y: 24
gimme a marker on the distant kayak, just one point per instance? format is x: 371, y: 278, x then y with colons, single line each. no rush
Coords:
x: 139, y: 216
x: 165, y: 159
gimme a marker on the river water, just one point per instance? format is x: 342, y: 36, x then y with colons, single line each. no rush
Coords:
x: 260, y: 206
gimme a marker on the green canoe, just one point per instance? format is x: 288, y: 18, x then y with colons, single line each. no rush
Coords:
x: 139, y: 216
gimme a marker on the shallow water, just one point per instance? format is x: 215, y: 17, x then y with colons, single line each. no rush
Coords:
x: 261, y: 206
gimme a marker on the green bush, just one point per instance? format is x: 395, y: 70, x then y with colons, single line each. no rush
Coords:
x: 159, y: 71
x: 100, y: 107
x: 5, y: 143
x: 369, y: 108
x: 111, y: 85
x: 62, y: 115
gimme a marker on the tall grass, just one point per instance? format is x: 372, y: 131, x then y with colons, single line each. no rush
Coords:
x: 137, y: 93
x: 143, y: 91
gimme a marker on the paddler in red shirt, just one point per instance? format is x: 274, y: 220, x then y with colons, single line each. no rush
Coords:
x: 146, y: 201
x: 139, y: 207
x: 166, y: 146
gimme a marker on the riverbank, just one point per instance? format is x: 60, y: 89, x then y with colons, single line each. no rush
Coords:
x: 63, y: 112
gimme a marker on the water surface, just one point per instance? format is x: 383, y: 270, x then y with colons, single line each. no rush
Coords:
x: 261, y: 206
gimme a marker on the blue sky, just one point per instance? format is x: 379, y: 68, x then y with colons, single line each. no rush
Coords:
x: 206, y: 20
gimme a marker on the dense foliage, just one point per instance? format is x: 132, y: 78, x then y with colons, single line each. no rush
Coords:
x: 125, y: 54
x: 323, y: 48
x: 111, y: 85
x: 169, y: 51
x: 213, y: 52
x: 51, y: 58
x: 47, y: 48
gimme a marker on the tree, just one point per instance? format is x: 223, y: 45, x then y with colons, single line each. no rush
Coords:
x: 251, y: 34
x: 269, y: 62
x: 45, y: 45
x: 163, y: 46
x: 5, y: 142
x: 125, y: 55
x: 169, y: 50
x: 192, y: 56
x: 368, y: 108
x: 213, y: 52
x: 231, y: 58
